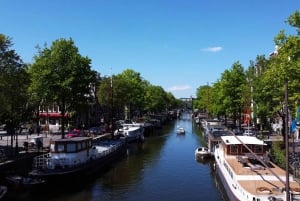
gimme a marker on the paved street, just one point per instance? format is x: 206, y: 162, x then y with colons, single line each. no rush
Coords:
x: 6, y: 140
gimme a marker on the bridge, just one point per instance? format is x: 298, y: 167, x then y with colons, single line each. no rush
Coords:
x: 188, y: 102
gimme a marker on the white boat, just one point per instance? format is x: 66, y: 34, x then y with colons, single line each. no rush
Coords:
x: 131, y: 132
x: 202, y: 152
x: 247, y: 173
x: 180, y: 130
x: 72, y: 160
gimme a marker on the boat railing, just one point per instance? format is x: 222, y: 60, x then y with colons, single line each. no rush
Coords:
x: 40, y: 162
x: 45, y: 161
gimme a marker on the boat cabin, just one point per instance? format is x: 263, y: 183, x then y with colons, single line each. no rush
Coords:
x: 70, y: 145
x: 64, y: 153
x: 243, y: 145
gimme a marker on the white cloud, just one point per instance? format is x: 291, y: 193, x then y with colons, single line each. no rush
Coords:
x: 212, y: 49
x: 179, y: 88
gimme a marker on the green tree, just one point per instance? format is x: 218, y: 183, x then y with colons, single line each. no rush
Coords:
x: 125, y: 91
x: 217, y: 107
x: 262, y: 91
x: 232, y: 85
x: 157, y: 100
x: 61, y: 75
x: 134, y: 86
x: 13, y: 86
x: 203, y: 98
x: 284, y: 67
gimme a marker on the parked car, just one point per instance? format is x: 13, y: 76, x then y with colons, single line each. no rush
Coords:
x: 74, y: 133
x: 95, y: 131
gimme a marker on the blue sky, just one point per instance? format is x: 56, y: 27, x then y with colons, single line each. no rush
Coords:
x: 177, y: 44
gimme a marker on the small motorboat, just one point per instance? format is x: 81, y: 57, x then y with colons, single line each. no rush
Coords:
x: 180, y: 130
x: 202, y: 152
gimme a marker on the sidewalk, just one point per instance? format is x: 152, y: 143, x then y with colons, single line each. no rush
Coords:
x: 6, y: 140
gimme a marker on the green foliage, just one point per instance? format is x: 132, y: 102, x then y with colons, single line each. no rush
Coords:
x: 278, y: 152
x: 13, y: 85
x: 61, y: 75
x: 156, y: 99
x: 203, y: 98
x: 129, y: 91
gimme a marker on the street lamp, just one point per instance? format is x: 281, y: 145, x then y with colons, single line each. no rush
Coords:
x: 287, y: 183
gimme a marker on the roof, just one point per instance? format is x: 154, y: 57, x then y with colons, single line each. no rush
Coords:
x: 228, y: 140
x: 73, y: 139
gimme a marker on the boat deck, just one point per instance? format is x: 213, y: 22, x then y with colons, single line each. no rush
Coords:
x: 257, y: 179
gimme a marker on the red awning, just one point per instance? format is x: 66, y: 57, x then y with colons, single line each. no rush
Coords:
x: 52, y: 114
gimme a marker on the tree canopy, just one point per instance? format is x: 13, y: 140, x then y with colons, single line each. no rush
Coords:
x: 13, y: 86
x: 61, y: 75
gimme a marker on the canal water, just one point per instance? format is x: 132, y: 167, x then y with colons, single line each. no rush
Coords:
x: 162, y: 168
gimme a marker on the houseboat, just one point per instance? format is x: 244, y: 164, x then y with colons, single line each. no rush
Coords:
x: 247, y: 174
x: 71, y: 160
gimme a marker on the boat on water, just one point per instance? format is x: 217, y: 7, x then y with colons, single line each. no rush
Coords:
x: 180, y: 130
x: 202, y: 152
x: 24, y: 183
x: 131, y: 132
x: 70, y: 160
x: 247, y: 173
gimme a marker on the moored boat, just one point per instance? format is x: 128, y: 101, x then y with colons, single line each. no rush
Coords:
x: 131, y: 132
x: 74, y: 159
x: 202, y: 152
x: 247, y: 173
x: 180, y: 130
x: 24, y: 183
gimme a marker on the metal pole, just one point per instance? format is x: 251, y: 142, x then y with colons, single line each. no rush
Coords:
x: 112, y: 106
x: 287, y: 183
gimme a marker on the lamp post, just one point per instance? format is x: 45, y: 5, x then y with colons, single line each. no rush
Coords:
x: 287, y: 183
x: 112, y: 106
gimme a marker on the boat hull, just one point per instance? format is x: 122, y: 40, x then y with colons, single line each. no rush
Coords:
x: 231, y: 196
x: 21, y: 184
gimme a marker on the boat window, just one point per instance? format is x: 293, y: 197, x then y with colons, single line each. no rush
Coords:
x: 60, y: 147
x: 233, y: 149
x: 83, y: 145
x: 71, y: 147
x: 258, y: 149
x: 245, y: 150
